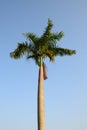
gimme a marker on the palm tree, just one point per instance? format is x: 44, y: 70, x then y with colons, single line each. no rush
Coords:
x: 39, y: 48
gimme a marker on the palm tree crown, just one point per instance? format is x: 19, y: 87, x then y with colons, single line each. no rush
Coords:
x: 43, y: 46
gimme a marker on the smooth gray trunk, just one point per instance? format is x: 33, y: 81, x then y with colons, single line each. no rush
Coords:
x: 40, y: 100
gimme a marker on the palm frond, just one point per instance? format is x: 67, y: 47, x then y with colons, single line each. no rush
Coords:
x: 32, y: 37
x: 56, y: 36
x: 63, y: 51
x: 21, y: 49
x: 48, y: 29
x: 44, y: 38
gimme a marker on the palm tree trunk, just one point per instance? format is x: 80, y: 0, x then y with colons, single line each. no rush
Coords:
x: 40, y: 99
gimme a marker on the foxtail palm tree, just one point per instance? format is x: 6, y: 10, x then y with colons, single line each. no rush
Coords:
x: 39, y: 48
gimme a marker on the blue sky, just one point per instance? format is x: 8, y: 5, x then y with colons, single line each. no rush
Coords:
x: 66, y: 87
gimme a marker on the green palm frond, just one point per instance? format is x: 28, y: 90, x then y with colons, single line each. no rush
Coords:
x: 63, y: 51
x: 56, y: 36
x: 47, y: 33
x: 32, y: 37
x: 52, y: 52
x: 20, y: 50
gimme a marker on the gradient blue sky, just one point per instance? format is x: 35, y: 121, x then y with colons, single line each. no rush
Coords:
x: 66, y: 87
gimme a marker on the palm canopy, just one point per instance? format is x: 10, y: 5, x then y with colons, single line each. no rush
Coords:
x: 43, y: 46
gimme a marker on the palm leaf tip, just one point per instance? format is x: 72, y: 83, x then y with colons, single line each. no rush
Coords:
x: 69, y: 52
x: 73, y: 51
x: 15, y: 55
x: 50, y: 21
x: 12, y: 54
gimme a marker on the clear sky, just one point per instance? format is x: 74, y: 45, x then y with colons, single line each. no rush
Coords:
x: 66, y: 87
